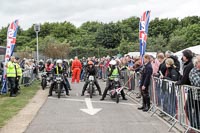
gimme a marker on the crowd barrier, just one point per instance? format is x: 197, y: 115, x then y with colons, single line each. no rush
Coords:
x: 180, y: 103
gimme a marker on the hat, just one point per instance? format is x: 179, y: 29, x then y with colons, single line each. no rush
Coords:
x: 188, y: 54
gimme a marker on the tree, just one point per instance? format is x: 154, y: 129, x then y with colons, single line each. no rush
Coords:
x: 109, y: 36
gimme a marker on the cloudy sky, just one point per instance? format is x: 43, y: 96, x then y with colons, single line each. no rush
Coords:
x: 79, y: 11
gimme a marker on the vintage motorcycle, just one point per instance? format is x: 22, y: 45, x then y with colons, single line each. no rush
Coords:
x: 58, y: 84
x: 44, y: 80
x: 91, y: 87
x: 115, y: 90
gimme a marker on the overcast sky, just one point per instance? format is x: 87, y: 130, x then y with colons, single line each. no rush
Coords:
x: 79, y: 11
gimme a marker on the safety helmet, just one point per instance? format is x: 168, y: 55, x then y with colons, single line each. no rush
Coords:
x: 48, y: 61
x: 90, y: 63
x: 59, y: 61
x: 113, y: 62
x: 41, y: 60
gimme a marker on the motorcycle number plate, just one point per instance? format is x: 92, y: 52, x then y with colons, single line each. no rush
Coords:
x: 58, y: 78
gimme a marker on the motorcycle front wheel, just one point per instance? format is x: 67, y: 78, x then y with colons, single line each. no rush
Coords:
x: 117, y: 97
x: 43, y: 83
x: 59, y: 90
x: 91, y: 90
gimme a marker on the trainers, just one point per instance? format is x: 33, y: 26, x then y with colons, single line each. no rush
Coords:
x: 124, y: 99
x: 146, y: 109
x: 49, y: 95
x: 101, y: 99
x: 140, y: 108
x: 13, y: 95
x: 82, y: 94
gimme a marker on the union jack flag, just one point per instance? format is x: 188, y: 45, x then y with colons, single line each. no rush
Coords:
x: 11, y: 40
x: 143, y: 31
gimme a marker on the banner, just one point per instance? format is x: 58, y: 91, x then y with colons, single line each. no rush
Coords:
x: 143, y: 31
x: 11, y: 40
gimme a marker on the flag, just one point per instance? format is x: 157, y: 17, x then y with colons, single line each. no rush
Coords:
x: 143, y: 31
x: 11, y: 40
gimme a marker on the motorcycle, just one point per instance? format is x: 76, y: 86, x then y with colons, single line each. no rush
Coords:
x: 49, y: 77
x: 91, y: 88
x: 44, y: 80
x: 115, y: 91
x: 58, y: 84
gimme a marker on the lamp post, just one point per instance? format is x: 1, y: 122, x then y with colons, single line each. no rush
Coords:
x: 37, y: 29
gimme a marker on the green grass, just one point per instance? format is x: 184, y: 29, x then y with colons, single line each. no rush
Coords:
x: 10, y: 106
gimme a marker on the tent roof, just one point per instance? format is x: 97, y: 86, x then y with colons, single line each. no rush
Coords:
x: 194, y: 49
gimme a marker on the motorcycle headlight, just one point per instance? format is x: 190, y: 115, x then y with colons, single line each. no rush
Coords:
x: 116, y: 79
x: 91, y: 78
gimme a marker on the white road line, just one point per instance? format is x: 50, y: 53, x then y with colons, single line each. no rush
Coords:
x: 105, y: 102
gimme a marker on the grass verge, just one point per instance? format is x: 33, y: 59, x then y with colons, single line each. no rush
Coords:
x: 10, y: 106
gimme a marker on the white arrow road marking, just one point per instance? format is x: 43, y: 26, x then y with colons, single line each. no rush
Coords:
x: 90, y: 110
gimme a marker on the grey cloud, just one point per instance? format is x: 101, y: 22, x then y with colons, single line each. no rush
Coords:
x: 79, y: 11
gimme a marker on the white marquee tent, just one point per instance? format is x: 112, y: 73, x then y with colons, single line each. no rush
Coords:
x: 194, y: 49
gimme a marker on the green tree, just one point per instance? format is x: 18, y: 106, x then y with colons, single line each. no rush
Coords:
x: 109, y: 36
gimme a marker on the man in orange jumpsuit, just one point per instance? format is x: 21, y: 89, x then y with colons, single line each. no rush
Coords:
x: 76, y: 70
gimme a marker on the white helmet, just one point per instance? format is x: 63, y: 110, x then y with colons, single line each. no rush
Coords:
x: 59, y: 61
x: 113, y: 62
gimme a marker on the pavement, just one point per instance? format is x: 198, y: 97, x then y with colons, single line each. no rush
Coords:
x: 80, y: 114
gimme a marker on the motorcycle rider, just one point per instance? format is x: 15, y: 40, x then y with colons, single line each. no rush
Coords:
x: 41, y: 66
x: 113, y: 70
x: 65, y: 71
x: 58, y: 69
x: 49, y: 66
x: 84, y: 66
x: 90, y: 70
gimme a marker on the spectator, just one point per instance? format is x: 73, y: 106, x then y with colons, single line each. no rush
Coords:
x: 168, y: 54
x: 194, y: 77
x: 155, y: 64
x: 145, y: 81
x: 194, y: 74
x: 188, y: 65
x: 130, y: 62
x: 27, y: 73
x: 162, y: 68
x: 171, y: 73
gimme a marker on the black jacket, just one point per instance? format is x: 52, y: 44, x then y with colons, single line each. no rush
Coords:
x: 176, y: 62
x: 186, y: 70
x: 172, y: 74
x: 146, y: 75
x: 91, y: 71
x: 162, y: 68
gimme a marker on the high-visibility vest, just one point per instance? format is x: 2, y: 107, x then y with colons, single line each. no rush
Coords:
x: 19, y: 70
x: 57, y: 71
x: 11, y: 72
x: 114, y: 74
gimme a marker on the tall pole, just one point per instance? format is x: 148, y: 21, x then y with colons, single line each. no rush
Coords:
x: 37, y: 48
x: 37, y: 29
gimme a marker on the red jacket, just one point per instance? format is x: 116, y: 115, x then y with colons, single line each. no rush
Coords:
x: 76, y: 64
x: 48, y: 67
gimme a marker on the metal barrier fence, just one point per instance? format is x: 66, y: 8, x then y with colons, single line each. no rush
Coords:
x: 28, y: 76
x: 180, y: 103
